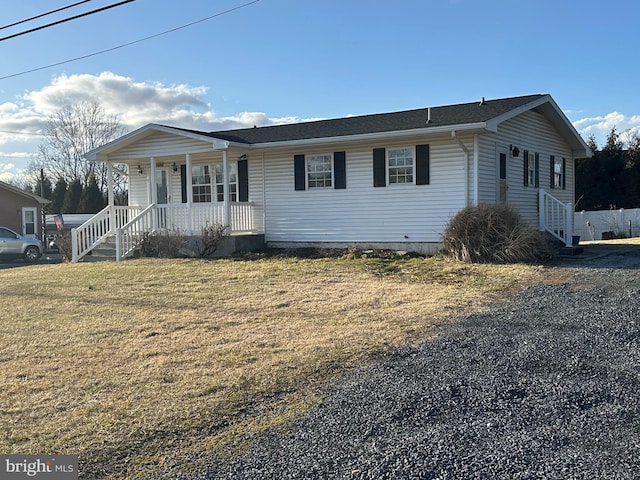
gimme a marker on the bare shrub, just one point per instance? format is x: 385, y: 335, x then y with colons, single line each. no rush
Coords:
x: 63, y: 242
x: 493, y: 234
x: 163, y: 243
x: 210, y: 238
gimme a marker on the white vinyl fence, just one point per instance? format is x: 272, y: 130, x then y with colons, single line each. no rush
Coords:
x: 622, y: 222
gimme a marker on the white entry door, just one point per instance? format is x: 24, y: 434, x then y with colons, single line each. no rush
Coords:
x: 29, y: 222
x: 162, y: 185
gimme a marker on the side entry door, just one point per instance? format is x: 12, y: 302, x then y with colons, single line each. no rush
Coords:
x: 502, y: 169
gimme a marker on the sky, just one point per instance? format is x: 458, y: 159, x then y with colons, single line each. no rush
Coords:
x: 241, y: 63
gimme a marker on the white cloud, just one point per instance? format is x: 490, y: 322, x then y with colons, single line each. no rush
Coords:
x: 601, y: 126
x: 135, y: 103
x: 139, y: 103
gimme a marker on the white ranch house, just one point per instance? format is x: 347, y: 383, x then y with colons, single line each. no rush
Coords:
x: 390, y: 180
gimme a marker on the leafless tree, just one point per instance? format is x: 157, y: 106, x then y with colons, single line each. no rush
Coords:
x: 71, y: 132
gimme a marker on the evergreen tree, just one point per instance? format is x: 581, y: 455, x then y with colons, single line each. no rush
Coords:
x: 71, y: 201
x: 57, y: 197
x: 92, y: 199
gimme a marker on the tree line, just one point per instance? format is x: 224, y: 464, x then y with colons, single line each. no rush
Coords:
x: 611, y: 178
x: 60, y: 172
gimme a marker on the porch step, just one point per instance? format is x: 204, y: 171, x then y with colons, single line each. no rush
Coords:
x: 105, y: 252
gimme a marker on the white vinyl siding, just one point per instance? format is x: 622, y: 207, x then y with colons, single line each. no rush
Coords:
x: 362, y: 213
x: 529, y: 131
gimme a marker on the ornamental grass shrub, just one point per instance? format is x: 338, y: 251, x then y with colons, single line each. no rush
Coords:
x: 493, y: 234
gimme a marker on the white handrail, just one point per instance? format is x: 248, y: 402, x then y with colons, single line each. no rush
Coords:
x: 556, y: 217
x: 129, y: 236
x: 95, y: 230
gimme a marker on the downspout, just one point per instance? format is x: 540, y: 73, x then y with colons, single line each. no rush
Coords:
x: 476, y: 170
x: 466, y: 167
x: 264, y: 200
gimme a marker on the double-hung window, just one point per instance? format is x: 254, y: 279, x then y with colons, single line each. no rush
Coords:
x: 201, y: 183
x: 233, y: 182
x: 400, y: 165
x: 531, y: 171
x: 319, y: 171
x: 206, y: 180
x: 558, y: 172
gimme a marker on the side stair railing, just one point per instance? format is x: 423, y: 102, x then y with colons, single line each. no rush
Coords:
x: 556, y: 217
x: 129, y: 236
x: 95, y: 230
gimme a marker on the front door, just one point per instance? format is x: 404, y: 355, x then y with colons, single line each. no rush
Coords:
x: 502, y: 168
x: 29, y: 222
x: 162, y: 184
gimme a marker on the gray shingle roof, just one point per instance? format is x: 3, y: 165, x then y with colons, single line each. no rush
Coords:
x: 460, y: 114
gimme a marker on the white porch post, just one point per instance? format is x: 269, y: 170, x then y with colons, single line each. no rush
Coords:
x: 569, y: 224
x: 112, y: 210
x: 189, y: 191
x: 225, y: 194
x: 153, y: 190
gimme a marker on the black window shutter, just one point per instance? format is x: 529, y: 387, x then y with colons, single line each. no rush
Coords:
x: 553, y: 172
x: 243, y: 180
x: 564, y: 173
x: 537, y: 169
x: 379, y: 170
x: 298, y: 166
x: 526, y: 168
x: 340, y: 169
x: 183, y: 182
x: 422, y: 164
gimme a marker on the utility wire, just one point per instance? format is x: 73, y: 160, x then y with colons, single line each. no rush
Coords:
x: 130, y: 43
x: 44, y: 14
x: 75, y: 17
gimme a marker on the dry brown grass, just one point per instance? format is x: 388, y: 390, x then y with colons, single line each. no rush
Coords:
x: 139, y: 366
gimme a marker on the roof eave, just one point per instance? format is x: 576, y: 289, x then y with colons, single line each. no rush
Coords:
x: 101, y: 154
x: 579, y: 148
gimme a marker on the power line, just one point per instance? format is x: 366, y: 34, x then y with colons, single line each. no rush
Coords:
x: 44, y: 14
x: 75, y: 17
x: 130, y: 43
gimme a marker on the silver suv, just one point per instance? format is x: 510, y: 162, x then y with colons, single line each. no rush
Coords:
x: 14, y: 245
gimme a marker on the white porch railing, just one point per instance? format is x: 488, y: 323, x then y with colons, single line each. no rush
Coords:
x: 129, y: 236
x: 191, y: 219
x: 183, y: 218
x: 556, y: 217
x: 93, y: 232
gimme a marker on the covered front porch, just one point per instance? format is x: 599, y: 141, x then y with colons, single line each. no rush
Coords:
x: 180, y: 183
x: 127, y: 225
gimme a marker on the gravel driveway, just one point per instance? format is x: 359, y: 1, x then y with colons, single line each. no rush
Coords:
x: 544, y: 387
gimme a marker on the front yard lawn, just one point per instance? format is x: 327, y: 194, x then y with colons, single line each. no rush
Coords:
x: 145, y: 368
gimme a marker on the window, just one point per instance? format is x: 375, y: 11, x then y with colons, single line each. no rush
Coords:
x: 319, y: 171
x: 531, y: 170
x: 400, y: 165
x: 233, y: 182
x: 201, y: 183
x: 558, y: 172
x: 531, y: 176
